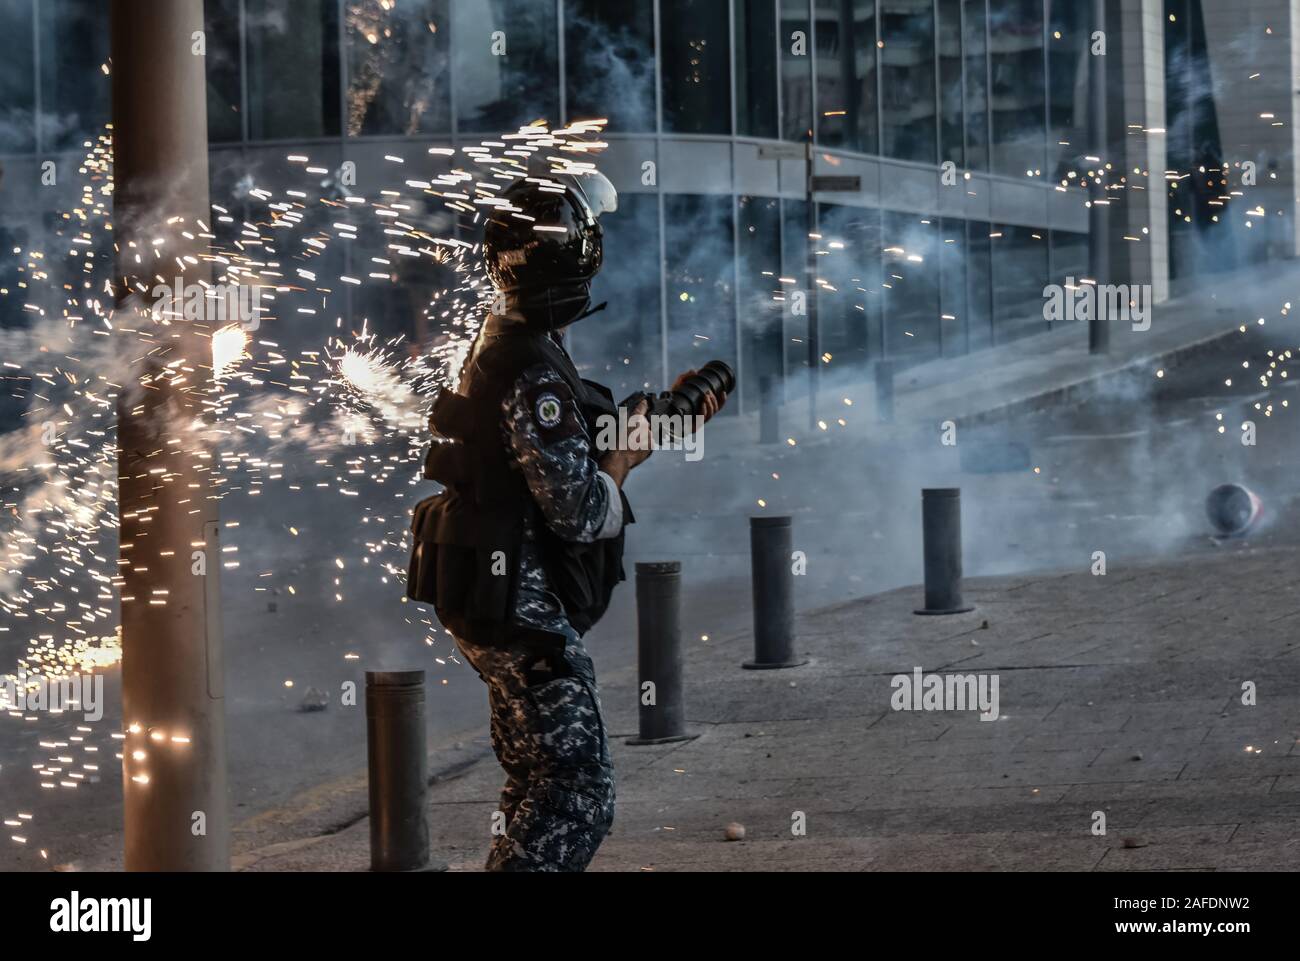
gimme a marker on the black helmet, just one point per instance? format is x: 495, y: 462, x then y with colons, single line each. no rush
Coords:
x: 542, y: 247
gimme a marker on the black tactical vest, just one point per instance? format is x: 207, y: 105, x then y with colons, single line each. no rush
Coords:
x: 466, y: 540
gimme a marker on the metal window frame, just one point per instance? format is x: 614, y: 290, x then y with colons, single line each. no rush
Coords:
x: 563, y: 69
x: 38, y: 104
x: 989, y: 166
x: 735, y: 214
x: 659, y: 193
x: 938, y: 107
x: 780, y: 206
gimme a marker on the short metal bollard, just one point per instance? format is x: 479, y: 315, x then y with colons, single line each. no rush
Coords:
x: 769, y: 413
x: 771, y: 541
x: 662, y: 715
x: 399, y: 772
x: 941, y: 532
x: 884, y: 391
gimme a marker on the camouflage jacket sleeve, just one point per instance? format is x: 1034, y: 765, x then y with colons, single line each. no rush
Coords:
x: 548, y: 438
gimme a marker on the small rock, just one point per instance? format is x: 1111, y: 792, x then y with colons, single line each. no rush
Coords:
x: 314, y: 700
x: 1136, y: 757
x: 984, y: 625
x: 735, y: 831
x: 1134, y: 843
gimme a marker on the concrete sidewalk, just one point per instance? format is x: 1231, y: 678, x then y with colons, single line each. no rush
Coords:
x: 1119, y: 693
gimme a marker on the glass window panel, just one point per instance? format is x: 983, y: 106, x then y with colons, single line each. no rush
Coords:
x: 283, y: 323
x: 871, y: 279
x: 794, y: 253
x: 696, y: 67
x: 609, y: 62
x: 846, y: 74
x: 500, y: 93
x: 979, y: 285
x: 758, y: 263
x: 621, y: 345
x: 911, y: 296
x: 396, y: 290
x: 1019, y: 257
x: 700, y: 276
x: 17, y: 78
x: 14, y: 233
x: 229, y: 180
x: 908, y: 105
x: 846, y: 314
x: 796, y: 70
x: 74, y: 93
x: 1197, y: 243
x: 293, y: 69
x: 952, y: 288
x: 1018, y: 97
x: 975, y: 40
x: 1069, y: 258
x: 225, y: 96
x: 398, y: 67
x: 951, y: 93
x: 756, y: 75
x: 1180, y: 154
x: 1067, y: 72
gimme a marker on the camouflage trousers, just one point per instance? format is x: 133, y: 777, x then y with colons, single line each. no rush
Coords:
x: 548, y: 734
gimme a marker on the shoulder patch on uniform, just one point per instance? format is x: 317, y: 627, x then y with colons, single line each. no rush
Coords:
x: 548, y: 409
x: 553, y: 410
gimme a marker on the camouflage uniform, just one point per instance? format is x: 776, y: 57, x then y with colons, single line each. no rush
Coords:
x: 547, y: 729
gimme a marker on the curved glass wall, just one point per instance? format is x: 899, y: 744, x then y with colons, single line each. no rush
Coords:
x: 700, y: 264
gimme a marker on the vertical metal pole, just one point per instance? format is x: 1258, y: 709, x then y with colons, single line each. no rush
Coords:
x: 38, y: 135
x: 941, y: 532
x: 848, y: 56
x: 814, y: 332
x: 770, y: 550
x: 814, y: 328
x: 174, y: 770
x: 1098, y: 212
x: 398, y: 762
x: 560, y: 58
x: 738, y: 328
x: 938, y: 103
x: 659, y: 653
x: 661, y: 200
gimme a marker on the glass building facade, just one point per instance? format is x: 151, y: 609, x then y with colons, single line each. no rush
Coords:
x: 960, y: 118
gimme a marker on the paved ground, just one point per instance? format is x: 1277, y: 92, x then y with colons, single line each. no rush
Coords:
x: 1119, y: 693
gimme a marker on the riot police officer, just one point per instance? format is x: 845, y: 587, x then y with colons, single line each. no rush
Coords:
x: 521, y: 551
